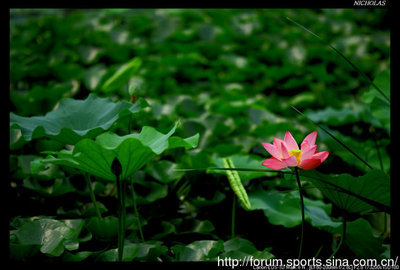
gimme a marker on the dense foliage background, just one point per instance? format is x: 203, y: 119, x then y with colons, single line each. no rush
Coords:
x: 229, y: 75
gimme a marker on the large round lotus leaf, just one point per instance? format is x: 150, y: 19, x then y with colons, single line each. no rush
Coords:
x: 283, y: 208
x: 354, y: 194
x: 74, y: 120
x: 133, y: 151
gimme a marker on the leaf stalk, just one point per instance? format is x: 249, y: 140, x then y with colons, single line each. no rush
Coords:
x: 92, y: 195
x: 302, y: 212
x: 136, y: 211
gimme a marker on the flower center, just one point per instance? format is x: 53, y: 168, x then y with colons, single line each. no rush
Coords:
x: 296, y: 153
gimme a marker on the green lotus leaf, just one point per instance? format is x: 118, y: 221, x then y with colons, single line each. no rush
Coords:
x: 354, y: 194
x: 105, y: 229
x: 53, y: 236
x: 349, y: 113
x: 382, y: 80
x: 203, y: 250
x: 155, y: 192
x: 164, y: 171
x: 147, y: 251
x: 74, y: 120
x: 133, y: 151
x: 361, y: 239
x: 76, y: 257
x: 239, y: 244
x: 379, y: 106
x: 130, y: 253
x: 151, y: 251
x: 59, y: 187
x: 239, y: 248
x: 284, y: 208
x: 22, y: 251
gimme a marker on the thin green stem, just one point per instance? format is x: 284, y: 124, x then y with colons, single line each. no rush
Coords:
x: 233, y: 215
x: 302, y: 212
x: 342, y: 238
x: 92, y: 196
x: 123, y: 188
x: 318, y: 252
x: 136, y: 211
x: 121, y: 218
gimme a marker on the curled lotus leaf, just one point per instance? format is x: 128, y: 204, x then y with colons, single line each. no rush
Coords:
x: 133, y: 151
x: 74, y: 120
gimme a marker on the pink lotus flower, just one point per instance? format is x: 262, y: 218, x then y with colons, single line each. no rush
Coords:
x: 286, y: 153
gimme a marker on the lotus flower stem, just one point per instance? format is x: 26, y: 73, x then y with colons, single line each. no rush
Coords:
x: 116, y: 169
x: 302, y: 211
x: 136, y: 211
x: 92, y: 196
x: 342, y: 238
x: 121, y: 218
